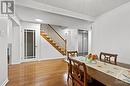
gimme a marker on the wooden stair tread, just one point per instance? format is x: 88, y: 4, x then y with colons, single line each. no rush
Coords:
x: 53, y: 43
x: 43, y: 33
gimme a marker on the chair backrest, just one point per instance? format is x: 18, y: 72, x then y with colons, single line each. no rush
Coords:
x: 110, y: 58
x: 72, y: 53
x: 78, y: 72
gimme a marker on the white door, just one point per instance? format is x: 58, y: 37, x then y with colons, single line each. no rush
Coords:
x: 29, y: 44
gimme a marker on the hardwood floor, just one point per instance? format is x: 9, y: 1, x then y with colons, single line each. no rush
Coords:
x: 40, y: 73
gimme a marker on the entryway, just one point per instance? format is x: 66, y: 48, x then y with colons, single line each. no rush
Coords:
x: 29, y: 44
x: 83, y: 42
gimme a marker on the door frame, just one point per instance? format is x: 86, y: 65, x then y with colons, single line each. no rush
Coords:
x: 36, y: 48
x: 82, y: 33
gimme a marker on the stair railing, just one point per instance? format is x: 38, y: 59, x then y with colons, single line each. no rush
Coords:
x: 55, y: 36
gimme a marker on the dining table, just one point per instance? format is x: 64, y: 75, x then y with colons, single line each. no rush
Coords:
x: 107, y: 74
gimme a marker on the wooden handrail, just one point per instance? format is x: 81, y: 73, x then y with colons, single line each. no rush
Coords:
x: 66, y: 46
x: 56, y: 32
x: 60, y: 37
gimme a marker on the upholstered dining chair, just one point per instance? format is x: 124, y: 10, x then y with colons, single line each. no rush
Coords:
x: 109, y: 58
x: 70, y: 54
x: 78, y: 72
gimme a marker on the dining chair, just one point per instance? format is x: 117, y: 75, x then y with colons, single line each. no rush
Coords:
x: 70, y: 54
x: 109, y: 58
x: 78, y: 72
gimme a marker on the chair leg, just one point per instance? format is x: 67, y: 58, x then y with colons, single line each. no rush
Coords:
x: 68, y: 77
x: 73, y: 83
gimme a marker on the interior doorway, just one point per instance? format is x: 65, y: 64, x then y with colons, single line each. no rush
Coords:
x: 29, y: 44
x: 83, y: 42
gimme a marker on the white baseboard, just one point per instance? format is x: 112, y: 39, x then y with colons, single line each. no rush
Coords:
x: 16, y: 63
x: 62, y: 57
x: 5, y: 82
x: 29, y: 60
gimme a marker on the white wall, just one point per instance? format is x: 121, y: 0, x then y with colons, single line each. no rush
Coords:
x: 15, y: 58
x: 3, y: 51
x: 71, y: 34
x: 47, y: 51
x: 111, y: 33
x: 90, y: 40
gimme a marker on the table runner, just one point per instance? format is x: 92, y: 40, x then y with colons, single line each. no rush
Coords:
x: 118, y: 72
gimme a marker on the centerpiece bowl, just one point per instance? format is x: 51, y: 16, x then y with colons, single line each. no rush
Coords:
x: 91, y: 58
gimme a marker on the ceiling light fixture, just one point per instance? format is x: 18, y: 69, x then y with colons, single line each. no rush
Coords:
x: 38, y: 20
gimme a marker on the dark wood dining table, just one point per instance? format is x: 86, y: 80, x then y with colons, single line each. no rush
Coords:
x: 106, y: 79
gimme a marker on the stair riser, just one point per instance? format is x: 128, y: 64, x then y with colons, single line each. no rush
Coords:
x: 53, y: 44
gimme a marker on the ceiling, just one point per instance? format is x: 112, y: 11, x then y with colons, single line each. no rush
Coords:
x: 93, y: 8
x: 30, y: 15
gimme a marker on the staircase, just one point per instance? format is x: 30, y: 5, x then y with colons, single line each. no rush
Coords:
x: 55, y: 39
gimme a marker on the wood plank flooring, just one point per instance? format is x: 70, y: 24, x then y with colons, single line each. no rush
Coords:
x: 40, y: 73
